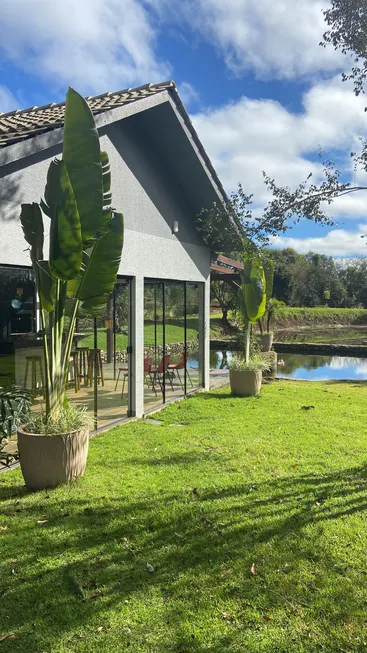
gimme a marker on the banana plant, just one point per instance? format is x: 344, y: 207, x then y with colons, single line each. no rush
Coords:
x: 252, y: 293
x: 86, y: 240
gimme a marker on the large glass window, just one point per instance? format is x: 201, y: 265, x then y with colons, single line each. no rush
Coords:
x: 18, y: 339
x: 172, y: 341
x: 99, y: 367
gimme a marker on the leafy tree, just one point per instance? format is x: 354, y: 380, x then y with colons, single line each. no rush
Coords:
x: 223, y: 226
x: 227, y: 297
x: 347, y: 22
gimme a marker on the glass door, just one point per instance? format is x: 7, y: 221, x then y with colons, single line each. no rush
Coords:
x: 173, y: 343
x: 100, y: 370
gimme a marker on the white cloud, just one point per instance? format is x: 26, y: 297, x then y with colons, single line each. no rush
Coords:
x: 8, y: 101
x: 188, y: 94
x: 96, y: 45
x: 273, y: 38
x: 337, y: 242
x: 245, y: 137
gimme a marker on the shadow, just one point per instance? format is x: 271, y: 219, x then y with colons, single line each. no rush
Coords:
x: 87, y: 563
x: 165, y: 165
x: 18, y: 175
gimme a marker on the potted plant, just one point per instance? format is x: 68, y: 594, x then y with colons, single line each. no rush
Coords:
x: 245, y: 372
x: 246, y: 376
x: 265, y: 339
x: 86, y: 239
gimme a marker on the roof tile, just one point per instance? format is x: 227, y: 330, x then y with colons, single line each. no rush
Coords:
x: 17, y: 125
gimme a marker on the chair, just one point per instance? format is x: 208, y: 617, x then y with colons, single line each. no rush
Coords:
x: 83, y: 353
x: 32, y: 362
x: 74, y: 369
x: 147, y: 373
x: 125, y: 370
x: 99, y: 370
x: 181, y: 365
x: 160, y: 371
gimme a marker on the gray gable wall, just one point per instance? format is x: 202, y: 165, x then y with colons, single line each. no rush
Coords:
x: 156, y: 178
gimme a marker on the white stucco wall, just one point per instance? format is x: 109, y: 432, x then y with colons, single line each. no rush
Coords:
x: 149, y: 204
x: 150, y: 247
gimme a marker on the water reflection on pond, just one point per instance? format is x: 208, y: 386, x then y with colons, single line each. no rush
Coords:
x: 307, y: 366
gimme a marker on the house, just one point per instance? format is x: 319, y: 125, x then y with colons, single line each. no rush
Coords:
x: 161, y: 178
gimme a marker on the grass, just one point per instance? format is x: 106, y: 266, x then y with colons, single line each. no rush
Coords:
x: 252, y: 515
x: 174, y: 333
x: 216, y: 328
x: 293, y: 317
x: 341, y: 336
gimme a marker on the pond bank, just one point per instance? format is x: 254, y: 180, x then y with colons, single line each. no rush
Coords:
x: 300, y: 348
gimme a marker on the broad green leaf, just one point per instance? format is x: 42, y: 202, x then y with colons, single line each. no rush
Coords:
x: 106, y: 179
x: 253, y: 284
x: 49, y: 204
x: 82, y: 156
x: 101, y: 270
x: 65, y: 234
x: 269, y: 278
x: 46, y: 286
x: 32, y: 224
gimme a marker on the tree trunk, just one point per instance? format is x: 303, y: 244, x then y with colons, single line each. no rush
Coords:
x: 225, y: 322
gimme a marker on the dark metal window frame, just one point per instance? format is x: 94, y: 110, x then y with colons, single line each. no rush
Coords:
x: 175, y: 282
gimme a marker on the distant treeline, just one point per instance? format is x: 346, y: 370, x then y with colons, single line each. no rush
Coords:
x: 317, y: 280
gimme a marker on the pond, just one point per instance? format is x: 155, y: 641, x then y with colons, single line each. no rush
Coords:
x: 307, y: 366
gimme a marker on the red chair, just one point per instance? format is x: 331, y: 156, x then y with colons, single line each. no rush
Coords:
x: 181, y: 365
x: 148, y: 373
x: 160, y: 371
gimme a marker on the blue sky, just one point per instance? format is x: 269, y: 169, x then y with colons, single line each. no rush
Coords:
x: 262, y: 93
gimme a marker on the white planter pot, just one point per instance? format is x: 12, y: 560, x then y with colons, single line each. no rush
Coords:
x: 245, y: 383
x: 50, y: 460
x: 265, y: 341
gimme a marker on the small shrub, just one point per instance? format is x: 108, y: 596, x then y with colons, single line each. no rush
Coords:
x: 70, y: 419
x: 262, y: 362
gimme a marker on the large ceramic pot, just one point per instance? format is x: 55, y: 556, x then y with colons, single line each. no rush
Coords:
x: 271, y: 374
x: 50, y: 460
x: 265, y: 341
x: 245, y: 383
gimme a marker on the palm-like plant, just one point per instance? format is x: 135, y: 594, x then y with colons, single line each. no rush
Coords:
x: 253, y: 290
x: 86, y: 239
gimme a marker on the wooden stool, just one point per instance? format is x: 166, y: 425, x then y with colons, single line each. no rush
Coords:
x: 74, y: 363
x: 99, y: 370
x: 125, y: 370
x: 32, y: 361
x: 83, y: 353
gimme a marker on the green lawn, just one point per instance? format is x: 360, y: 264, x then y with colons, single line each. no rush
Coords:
x: 174, y: 333
x: 252, y: 514
x: 290, y: 316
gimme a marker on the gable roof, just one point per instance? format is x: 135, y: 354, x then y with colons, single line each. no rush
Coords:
x: 22, y: 124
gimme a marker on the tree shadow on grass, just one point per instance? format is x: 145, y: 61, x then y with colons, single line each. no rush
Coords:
x: 90, y: 559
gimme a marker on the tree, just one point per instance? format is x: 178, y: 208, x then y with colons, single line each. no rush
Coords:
x: 347, y: 22
x: 223, y: 226
x: 227, y: 296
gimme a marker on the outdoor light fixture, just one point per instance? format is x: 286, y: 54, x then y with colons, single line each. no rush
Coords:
x: 175, y: 227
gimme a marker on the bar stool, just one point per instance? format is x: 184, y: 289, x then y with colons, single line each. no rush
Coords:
x: 99, y: 370
x: 83, y: 353
x: 32, y: 362
x: 74, y: 364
